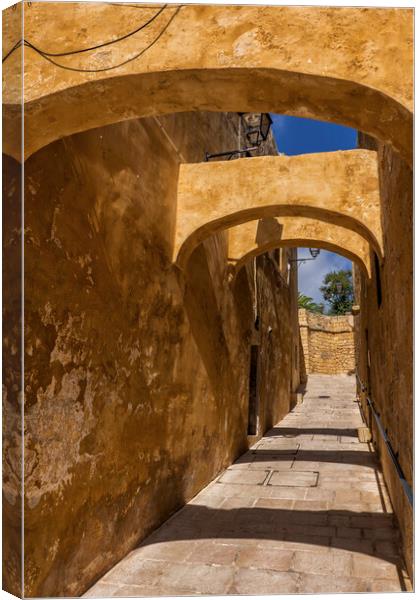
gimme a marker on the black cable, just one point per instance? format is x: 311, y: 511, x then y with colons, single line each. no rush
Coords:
x: 15, y: 47
x: 78, y: 70
x: 103, y: 44
x: 123, y: 37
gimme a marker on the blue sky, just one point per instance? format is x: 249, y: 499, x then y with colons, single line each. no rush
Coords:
x: 294, y: 135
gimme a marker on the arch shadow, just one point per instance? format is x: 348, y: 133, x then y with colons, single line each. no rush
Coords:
x: 331, y: 528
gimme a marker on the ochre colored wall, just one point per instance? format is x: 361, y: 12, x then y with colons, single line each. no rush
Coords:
x: 12, y: 376
x: 136, y: 373
x: 385, y: 332
x: 256, y: 237
x: 327, y: 342
x: 12, y: 393
x: 278, y: 340
x: 336, y: 187
x: 330, y: 63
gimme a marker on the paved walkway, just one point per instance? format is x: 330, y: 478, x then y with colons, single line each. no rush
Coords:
x: 304, y: 510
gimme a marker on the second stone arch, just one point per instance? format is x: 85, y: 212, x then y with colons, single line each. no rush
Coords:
x: 330, y: 200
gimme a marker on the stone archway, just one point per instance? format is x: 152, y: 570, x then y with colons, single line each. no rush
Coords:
x: 214, y: 58
x: 338, y: 188
x: 253, y: 238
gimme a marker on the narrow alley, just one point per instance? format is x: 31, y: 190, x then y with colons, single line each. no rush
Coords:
x: 207, y: 208
x: 304, y: 510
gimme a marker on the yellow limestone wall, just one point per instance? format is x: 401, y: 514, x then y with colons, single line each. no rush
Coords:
x: 385, y: 332
x: 336, y: 187
x: 254, y: 237
x: 327, y: 342
x: 347, y: 65
x: 136, y: 373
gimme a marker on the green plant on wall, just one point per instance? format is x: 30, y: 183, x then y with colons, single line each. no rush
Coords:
x: 309, y: 303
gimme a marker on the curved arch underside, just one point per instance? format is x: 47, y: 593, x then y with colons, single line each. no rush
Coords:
x: 256, y: 237
x: 335, y: 65
x: 336, y: 188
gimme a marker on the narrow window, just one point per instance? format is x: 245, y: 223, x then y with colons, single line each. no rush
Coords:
x: 253, y: 392
x: 378, y: 280
x: 257, y: 323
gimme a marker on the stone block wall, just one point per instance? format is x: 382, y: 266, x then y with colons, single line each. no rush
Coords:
x: 327, y: 342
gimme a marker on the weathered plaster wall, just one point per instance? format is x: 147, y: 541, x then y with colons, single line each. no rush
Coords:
x: 136, y: 373
x: 385, y: 331
x: 277, y: 320
x: 12, y: 377
x: 12, y: 341
x: 327, y: 342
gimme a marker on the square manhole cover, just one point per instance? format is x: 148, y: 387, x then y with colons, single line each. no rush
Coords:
x: 243, y: 477
x: 277, y: 446
x: 294, y: 478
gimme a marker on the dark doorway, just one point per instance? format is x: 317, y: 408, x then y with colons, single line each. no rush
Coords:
x: 253, y: 392
x: 378, y: 280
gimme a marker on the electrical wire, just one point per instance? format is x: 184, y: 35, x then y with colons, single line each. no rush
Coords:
x: 90, y: 48
x: 103, y: 44
x: 128, y: 60
x: 15, y: 47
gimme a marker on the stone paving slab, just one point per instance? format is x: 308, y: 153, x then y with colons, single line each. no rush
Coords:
x: 305, y: 510
x: 294, y: 479
x: 244, y: 477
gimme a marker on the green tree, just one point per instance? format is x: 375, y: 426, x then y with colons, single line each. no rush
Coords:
x: 309, y: 303
x: 338, y: 291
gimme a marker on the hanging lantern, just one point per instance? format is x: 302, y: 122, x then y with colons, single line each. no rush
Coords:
x: 314, y: 252
x: 257, y: 127
x: 265, y: 125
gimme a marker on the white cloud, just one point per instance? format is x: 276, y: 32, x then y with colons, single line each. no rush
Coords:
x: 311, y: 274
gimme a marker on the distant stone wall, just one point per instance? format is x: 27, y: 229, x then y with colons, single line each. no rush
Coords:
x: 327, y: 342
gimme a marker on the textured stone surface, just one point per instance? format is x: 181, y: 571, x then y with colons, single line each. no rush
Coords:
x: 12, y: 396
x: 351, y: 66
x: 335, y: 187
x: 136, y: 376
x: 12, y: 377
x: 384, y: 331
x: 257, y: 237
x: 247, y: 539
x: 327, y: 343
